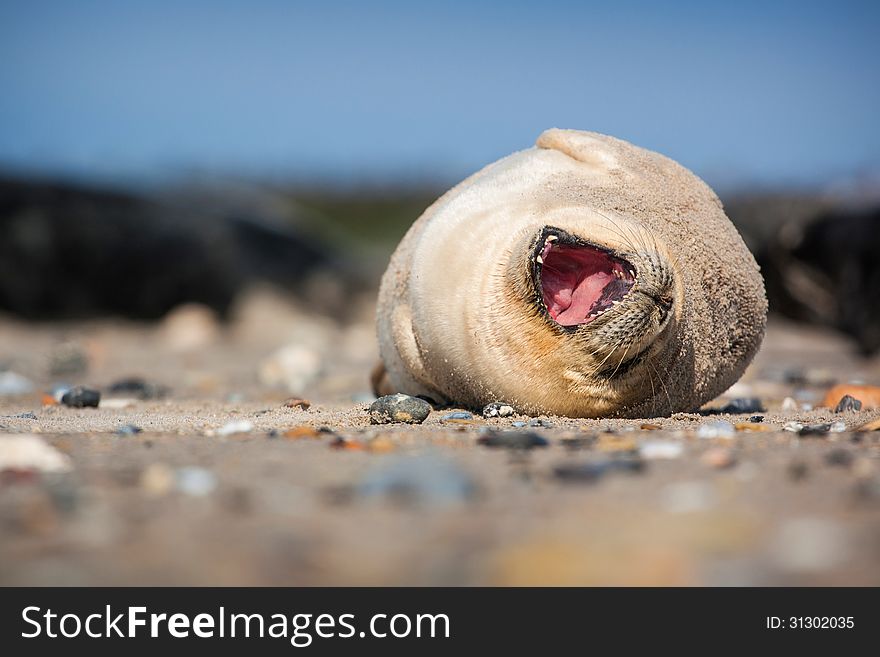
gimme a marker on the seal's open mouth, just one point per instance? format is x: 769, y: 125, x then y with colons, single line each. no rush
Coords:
x: 579, y: 282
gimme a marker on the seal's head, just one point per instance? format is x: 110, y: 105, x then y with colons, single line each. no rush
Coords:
x: 604, y: 298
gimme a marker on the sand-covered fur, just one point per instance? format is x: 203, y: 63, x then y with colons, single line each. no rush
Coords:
x: 457, y: 317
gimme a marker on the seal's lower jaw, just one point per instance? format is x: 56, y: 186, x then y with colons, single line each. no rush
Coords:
x: 578, y: 282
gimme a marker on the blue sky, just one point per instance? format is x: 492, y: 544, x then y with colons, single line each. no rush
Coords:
x: 771, y: 93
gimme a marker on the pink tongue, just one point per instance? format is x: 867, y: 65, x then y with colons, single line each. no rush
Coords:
x: 570, y: 308
x: 572, y: 280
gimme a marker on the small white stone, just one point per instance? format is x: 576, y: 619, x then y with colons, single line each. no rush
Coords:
x: 687, y: 497
x: 716, y: 429
x: 838, y: 427
x: 661, y: 449
x: 810, y: 545
x: 196, y: 481
x: 157, y: 479
x: 117, y: 403
x: 237, y: 426
x: 294, y: 368
x: 14, y: 384
x: 789, y: 405
x: 29, y: 452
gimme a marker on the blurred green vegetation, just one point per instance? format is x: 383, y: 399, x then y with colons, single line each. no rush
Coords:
x: 368, y: 221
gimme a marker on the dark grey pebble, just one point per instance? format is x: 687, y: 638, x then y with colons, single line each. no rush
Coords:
x: 419, y: 480
x: 579, y: 442
x: 546, y: 424
x: 20, y: 416
x: 399, y: 408
x: 743, y: 405
x: 839, y: 456
x: 797, y: 470
x: 497, y: 409
x: 63, y: 492
x: 848, y: 403
x: 81, y: 397
x: 814, y: 430
x: 458, y: 415
x: 513, y: 440
x: 756, y: 418
x: 138, y: 387
x: 128, y: 430
x: 592, y: 471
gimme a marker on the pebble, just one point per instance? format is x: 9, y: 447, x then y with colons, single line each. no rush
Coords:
x: 422, y: 480
x: 797, y: 470
x: 347, y: 444
x: 57, y: 391
x: 381, y: 445
x: 118, y: 403
x: 716, y: 429
x: 719, y: 458
x: 138, y: 388
x: 189, y: 327
x: 129, y: 430
x: 293, y: 367
x: 650, y: 427
x: 29, y: 452
x: 809, y: 544
x: 839, y: 456
x: 157, y: 479
x: 811, y: 430
x: 545, y: 424
x: 789, y: 405
x: 399, y: 408
x: 497, y: 409
x: 460, y: 417
x: 303, y: 431
x: 743, y: 405
x: 513, y: 440
x: 20, y: 416
x: 615, y: 443
x: 687, y: 497
x: 81, y: 397
x: 793, y: 426
x: 234, y: 427
x: 752, y: 426
x: 296, y: 402
x: 519, y: 424
x: 661, y: 449
x: 14, y: 384
x: 868, y: 395
x: 848, y: 403
x: 592, y: 471
x: 195, y: 481
x: 813, y: 377
x: 756, y: 418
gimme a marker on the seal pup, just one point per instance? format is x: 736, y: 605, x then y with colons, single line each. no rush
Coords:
x: 584, y: 277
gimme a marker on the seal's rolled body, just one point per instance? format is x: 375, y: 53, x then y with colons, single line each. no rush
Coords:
x: 583, y: 277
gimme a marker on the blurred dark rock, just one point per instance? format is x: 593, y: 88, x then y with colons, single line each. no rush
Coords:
x: 819, y: 260
x: 71, y: 251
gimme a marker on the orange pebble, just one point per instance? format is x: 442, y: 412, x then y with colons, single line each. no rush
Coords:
x: 868, y: 395
x: 302, y: 432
